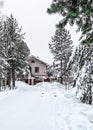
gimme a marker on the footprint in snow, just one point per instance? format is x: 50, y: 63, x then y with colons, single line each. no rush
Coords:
x: 55, y: 95
x: 42, y: 94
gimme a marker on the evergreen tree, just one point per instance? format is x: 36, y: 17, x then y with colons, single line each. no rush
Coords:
x: 77, y: 61
x: 14, y: 49
x: 79, y: 12
x: 61, y: 47
x: 82, y: 67
x: 3, y: 73
x: 51, y: 71
x: 1, y: 60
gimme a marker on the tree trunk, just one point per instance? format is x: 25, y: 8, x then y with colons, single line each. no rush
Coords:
x: 13, y: 77
x: 61, y: 72
x: 90, y: 95
x: 9, y: 78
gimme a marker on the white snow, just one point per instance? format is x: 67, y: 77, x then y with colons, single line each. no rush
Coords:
x: 45, y: 106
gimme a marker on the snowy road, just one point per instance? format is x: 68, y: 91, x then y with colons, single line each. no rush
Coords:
x: 37, y: 108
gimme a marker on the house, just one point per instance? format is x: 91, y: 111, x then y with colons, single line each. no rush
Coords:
x: 37, y: 67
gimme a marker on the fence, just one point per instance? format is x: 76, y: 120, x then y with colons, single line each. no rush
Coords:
x: 34, y: 81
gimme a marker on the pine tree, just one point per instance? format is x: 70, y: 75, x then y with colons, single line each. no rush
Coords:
x: 82, y: 66
x: 61, y: 47
x: 77, y: 61
x: 79, y: 12
x: 51, y: 71
x: 14, y: 48
x: 3, y: 73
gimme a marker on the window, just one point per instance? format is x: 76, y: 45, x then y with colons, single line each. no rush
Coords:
x: 37, y: 78
x: 32, y: 61
x: 36, y: 69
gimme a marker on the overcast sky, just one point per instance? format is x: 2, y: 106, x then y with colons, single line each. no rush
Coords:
x: 38, y: 25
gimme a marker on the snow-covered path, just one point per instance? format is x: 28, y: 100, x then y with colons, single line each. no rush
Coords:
x: 27, y: 109
x: 37, y: 108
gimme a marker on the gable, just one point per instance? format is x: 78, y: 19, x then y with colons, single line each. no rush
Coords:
x: 36, y: 63
x: 35, y: 60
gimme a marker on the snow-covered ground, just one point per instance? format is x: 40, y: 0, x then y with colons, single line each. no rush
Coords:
x: 45, y: 106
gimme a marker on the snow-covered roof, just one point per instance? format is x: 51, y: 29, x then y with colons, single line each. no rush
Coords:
x: 37, y: 58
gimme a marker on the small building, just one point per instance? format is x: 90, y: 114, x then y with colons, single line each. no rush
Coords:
x: 37, y: 67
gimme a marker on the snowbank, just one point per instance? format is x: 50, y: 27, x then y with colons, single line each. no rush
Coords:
x: 47, y: 85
